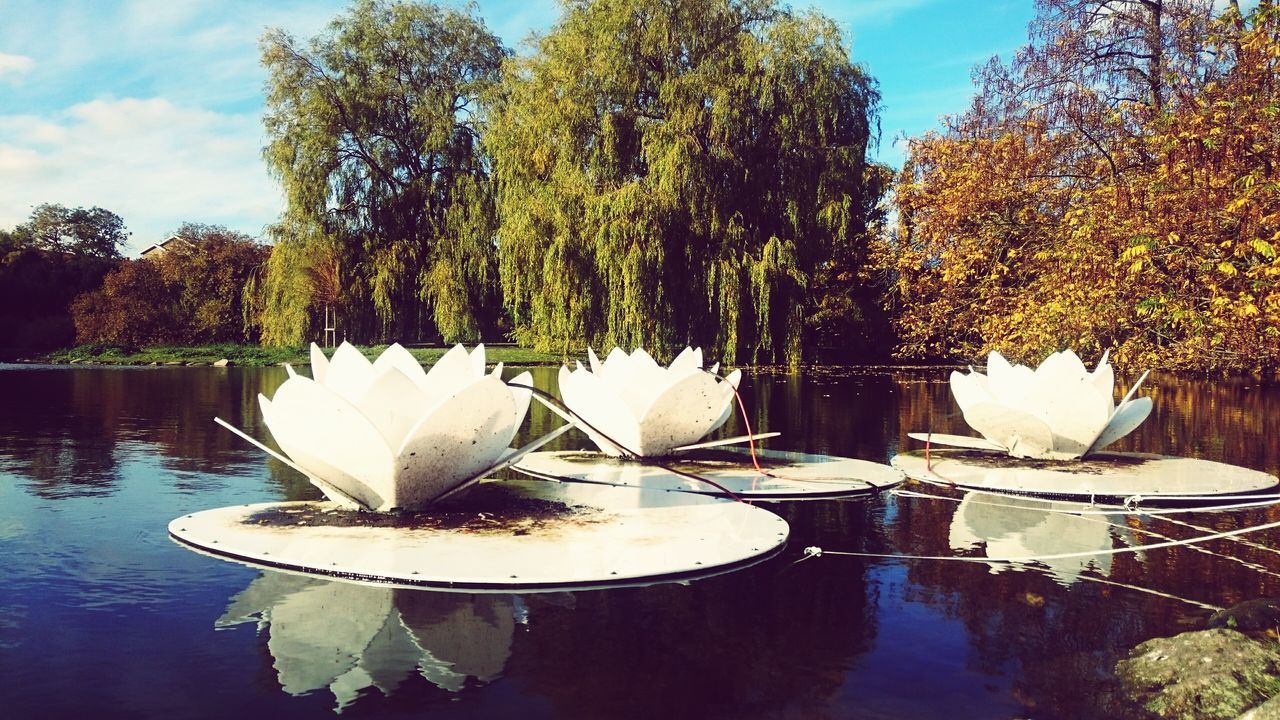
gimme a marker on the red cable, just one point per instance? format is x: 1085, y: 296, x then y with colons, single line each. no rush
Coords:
x: 751, y: 441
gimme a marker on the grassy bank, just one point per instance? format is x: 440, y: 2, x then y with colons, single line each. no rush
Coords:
x: 253, y: 355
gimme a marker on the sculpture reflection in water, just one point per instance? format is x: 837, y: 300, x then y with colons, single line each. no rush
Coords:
x: 1012, y: 527
x: 381, y: 636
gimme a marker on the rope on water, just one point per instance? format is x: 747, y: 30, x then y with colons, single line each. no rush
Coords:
x: 817, y: 551
x: 1083, y: 518
x: 1241, y: 541
x: 813, y: 551
x: 1127, y: 509
x: 1149, y: 591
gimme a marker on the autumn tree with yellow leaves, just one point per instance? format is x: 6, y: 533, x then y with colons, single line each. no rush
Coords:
x: 1115, y: 185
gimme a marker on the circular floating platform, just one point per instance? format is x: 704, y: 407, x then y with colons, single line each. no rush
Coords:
x: 795, y: 476
x: 1104, y: 477
x: 500, y: 535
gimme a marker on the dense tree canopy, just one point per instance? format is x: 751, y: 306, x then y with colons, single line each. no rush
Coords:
x: 679, y: 172
x: 90, y: 232
x: 45, y: 263
x: 188, y: 295
x: 1114, y: 186
x: 373, y: 132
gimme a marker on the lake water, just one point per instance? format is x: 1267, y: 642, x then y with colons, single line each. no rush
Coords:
x: 102, y: 615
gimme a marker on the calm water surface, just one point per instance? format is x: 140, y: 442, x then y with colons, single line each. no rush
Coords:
x: 102, y: 615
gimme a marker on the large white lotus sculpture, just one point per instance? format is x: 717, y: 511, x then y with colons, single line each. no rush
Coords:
x: 389, y: 435
x: 647, y: 409
x: 1058, y: 411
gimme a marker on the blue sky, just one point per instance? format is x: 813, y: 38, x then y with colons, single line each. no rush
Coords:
x: 152, y: 108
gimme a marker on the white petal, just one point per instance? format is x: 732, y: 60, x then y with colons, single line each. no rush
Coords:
x: 963, y: 441
x: 1126, y: 420
x: 643, y: 360
x: 596, y: 367
x: 591, y: 398
x: 463, y: 435
x: 1065, y: 398
x: 967, y: 390
x: 349, y: 373
x: 522, y: 396
x: 687, y: 359
x: 638, y: 395
x: 728, y: 386
x: 1065, y: 363
x: 681, y: 414
x: 451, y: 371
x: 998, y: 368
x: 329, y: 437
x: 617, y: 356
x: 394, y: 404
x: 395, y: 356
x: 734, y: 378
x: 477, y: 360
x: 1024, y: 434
x: 319, y: 363
x: 1104, y: 379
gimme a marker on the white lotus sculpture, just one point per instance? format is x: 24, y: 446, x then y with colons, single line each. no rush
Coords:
x: 1059, y: 411
x: 390, y: 435
x: 646, y: 409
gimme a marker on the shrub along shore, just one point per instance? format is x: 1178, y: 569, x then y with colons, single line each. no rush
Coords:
x: 257, y: 356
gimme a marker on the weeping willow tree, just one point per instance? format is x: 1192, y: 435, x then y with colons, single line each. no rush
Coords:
x: 678, y: 172
x: 373, y: 132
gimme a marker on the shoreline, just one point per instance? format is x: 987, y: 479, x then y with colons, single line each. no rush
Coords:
x: 508, y: 354
x: 227, y: 354
x: 255, y: 356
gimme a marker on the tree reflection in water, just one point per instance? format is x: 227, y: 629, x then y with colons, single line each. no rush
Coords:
x: 64, y: 432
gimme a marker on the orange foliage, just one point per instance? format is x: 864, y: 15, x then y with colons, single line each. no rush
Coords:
x: 1097, y: 215
x: 191, y: 296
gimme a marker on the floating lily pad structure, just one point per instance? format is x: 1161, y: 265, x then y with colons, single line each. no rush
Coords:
x: 391, y: 446
x: 731, y: 471
x: 1043, y: 432
x: 502, y: 536
x: 647, y: 421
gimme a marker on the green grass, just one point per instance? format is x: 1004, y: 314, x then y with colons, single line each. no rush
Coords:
x: 253, y: 355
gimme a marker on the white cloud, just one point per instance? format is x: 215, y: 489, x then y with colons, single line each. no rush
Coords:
x: 152, y: 109
x: 154, y: 163
x: 13, y: 66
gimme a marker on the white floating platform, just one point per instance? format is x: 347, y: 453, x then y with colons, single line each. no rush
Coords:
x: 500, y: 535
x: 1104, y: 477
x: 795, y: 476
